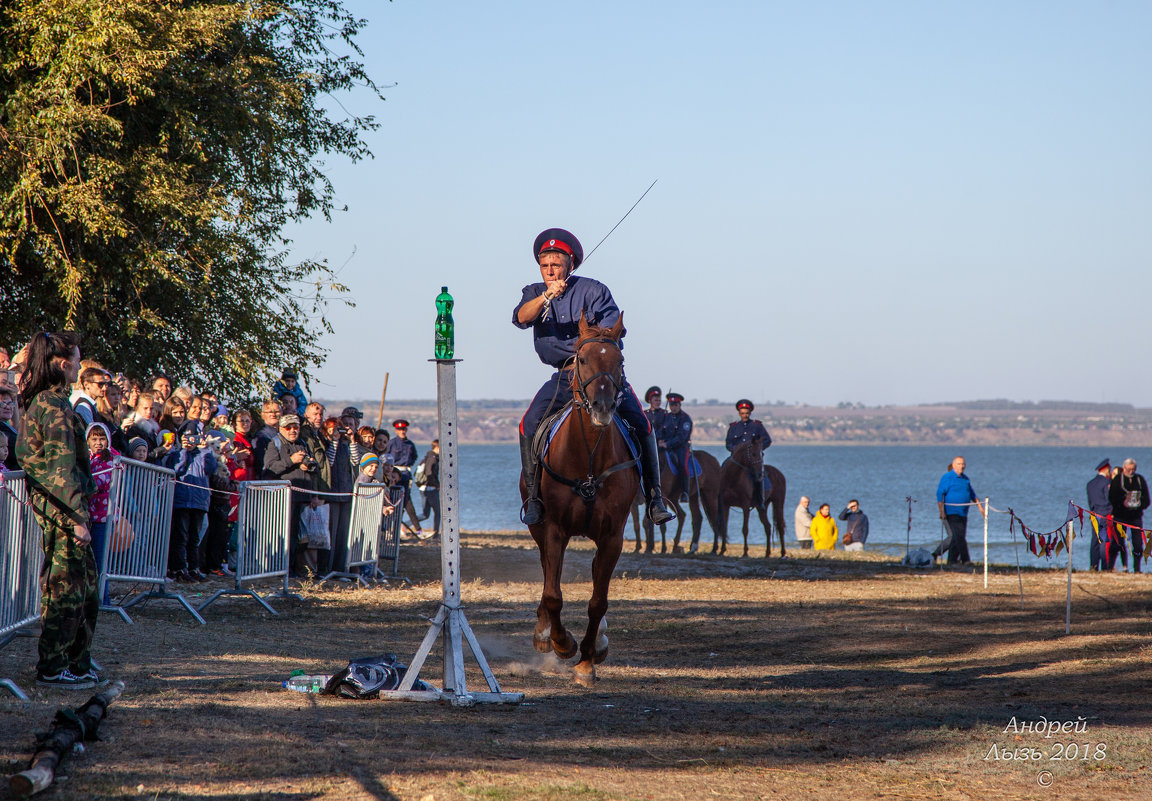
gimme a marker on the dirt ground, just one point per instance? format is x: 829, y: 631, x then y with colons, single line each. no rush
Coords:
x: 823, y: 677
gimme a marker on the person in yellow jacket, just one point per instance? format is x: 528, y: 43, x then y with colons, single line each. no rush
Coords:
x: 824, y: 531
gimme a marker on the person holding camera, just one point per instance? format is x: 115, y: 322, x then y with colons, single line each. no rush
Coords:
x: 193, y: 461
x: 344, y: 463
x: 287, y: 459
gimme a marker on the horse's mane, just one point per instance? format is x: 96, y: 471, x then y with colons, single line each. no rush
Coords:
x: 599, y: 332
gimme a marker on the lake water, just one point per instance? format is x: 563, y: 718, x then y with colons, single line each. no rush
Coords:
x: 1036, y: 482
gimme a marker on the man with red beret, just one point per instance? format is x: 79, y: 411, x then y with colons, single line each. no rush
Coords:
x: 552, y: 309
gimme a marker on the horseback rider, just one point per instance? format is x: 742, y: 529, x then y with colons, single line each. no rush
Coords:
x: 654, y: 413
x: 676, y: 434
x: 552, y: 309
x: 744, y: 430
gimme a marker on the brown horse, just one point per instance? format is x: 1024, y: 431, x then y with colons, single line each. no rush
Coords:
x: 736, y: 489
x: 702, y: 493
x: 587, y: 485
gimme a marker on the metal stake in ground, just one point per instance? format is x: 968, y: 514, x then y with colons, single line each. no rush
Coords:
x: 450, y: 620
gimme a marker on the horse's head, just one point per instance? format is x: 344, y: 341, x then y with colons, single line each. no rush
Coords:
x: 751, y: 455
x: 598, y: 374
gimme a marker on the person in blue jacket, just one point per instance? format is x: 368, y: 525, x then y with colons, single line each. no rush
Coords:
x: 954, y: 497
x: 676, y: 434
x: 193, y: 463
x: 552, y: 308
x: 289, y: 384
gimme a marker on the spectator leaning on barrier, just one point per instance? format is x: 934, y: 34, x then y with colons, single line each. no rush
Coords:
x: 802, y: 520
x: 287, y: 459
x: 193, y: 462
x: 214, y: 550
x: 344, y: 460
x: 1128, y: 495
x: 856, y: 530
x: 51, y: 448
x: 100, y: 456
x: 7, y: 430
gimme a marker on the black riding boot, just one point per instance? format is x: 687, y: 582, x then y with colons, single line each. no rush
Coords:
x: 658, y: 513
x: 532, y: 512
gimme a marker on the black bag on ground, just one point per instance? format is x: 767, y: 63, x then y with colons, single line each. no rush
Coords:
x: 367, y: 676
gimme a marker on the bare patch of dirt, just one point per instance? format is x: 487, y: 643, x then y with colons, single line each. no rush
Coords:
x: 823, y: 677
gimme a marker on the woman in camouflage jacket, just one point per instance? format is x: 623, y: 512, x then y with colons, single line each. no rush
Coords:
x: 54, y: 455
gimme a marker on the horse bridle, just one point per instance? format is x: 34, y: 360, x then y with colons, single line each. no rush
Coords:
x: 580, y: 388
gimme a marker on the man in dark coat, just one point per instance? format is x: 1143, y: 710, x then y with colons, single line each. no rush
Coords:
x: 1102, y: 546
x: 287, y: 459
x: 1128, y: 494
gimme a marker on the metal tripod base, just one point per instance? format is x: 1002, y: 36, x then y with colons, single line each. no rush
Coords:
x: 161, y: 593
x: 450, y: 622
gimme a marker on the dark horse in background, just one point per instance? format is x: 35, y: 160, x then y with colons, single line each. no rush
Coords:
x: 737, y: 475
x: 702, y: 493
x: 588, y: 482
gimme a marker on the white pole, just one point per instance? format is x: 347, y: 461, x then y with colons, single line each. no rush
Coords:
x: 986, y: 508
x: 1068, y: 603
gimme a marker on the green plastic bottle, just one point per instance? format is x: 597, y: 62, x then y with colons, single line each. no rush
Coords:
x: 445, y: 331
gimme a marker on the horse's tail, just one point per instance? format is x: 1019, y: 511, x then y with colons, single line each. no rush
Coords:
x: 779, y: 488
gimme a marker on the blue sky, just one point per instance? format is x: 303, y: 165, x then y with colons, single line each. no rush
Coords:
x: 884, y: 202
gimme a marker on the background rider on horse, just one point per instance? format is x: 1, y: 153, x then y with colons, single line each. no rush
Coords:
x: 744, y: 430
x: 552, y: 309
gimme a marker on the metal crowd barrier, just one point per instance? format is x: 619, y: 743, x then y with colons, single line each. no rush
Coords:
x: 139, y: 532
x: 263, y: 539
x: 389, y: 547
x: 21, y: 555
x: 363, y: 531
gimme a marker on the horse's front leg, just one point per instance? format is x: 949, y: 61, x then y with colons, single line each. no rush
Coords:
x: 594, y: 646
x: 550, y: 634
x: 745, y: 530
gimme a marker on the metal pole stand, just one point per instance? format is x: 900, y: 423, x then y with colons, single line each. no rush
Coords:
x: 449, y: 620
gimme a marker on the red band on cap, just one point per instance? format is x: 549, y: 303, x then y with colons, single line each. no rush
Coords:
x: 556, y: 244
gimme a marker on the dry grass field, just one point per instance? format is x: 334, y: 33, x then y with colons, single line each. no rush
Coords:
x: 808, y: 677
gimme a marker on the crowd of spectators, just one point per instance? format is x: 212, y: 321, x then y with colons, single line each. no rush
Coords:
x: 213, y: 447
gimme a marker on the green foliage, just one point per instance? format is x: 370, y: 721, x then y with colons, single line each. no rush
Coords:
x: 151, y: 154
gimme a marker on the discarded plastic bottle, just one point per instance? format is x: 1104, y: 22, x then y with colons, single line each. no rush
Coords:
x: 445, y: 331
x: 305, y: 684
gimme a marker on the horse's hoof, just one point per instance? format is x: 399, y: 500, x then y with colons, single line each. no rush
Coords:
x: 584, y: 674
x: 677, y: 549
x: 663, y: 548
x: 568, y: 649
x: 600, y: 655
x: 543, y: 642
